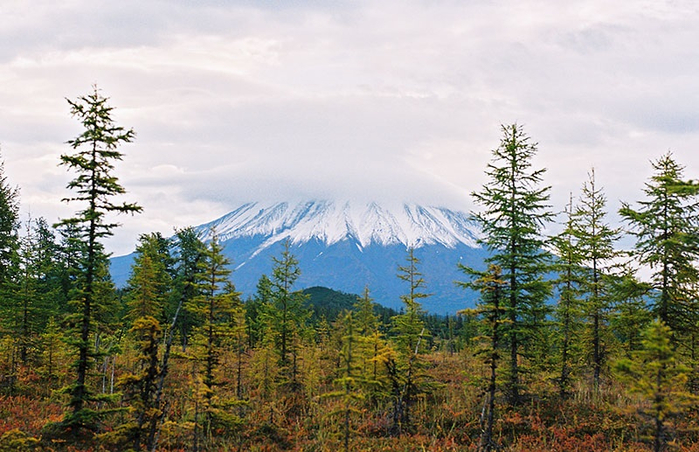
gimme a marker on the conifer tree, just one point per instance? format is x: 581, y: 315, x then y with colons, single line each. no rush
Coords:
x: 256, y: 312
x: 239, y: 337
x: 34, y: 287
x: 655, y: 374
x: 264, y: 377
x: 71, y: 250
x: 184, y: 269
x: 96, y: 148
x: 287, y: 315
x: 374, y: 350
x: 666, y: 226
x: 367, y: 320
x: 148, y: 289
x: 26, y: 292
x: 9, y: 248
x: 630, y: 316
x: 189, y: 251
x: 514, y: 213
x: 52, y: 339
x: 49, y: 270
x: 491, y: 315
x: 568, y: 310
x: 409, y: 334
x: 9, y: 227
x: 215, y: 307
x: 595, y: 247
x: 149, y: 286
x: 350, y: 372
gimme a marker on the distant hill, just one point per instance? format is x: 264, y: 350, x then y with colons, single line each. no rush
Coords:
x: 329, y: 303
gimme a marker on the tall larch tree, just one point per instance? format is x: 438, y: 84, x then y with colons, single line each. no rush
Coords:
x: 95, y: 187
x: 287, y: 315
x: 491, y: 315
x: 514, y: 212
x: 189, y: 252
x: 568, y: 311
x: 349, y: 373
x: 9, y: 227
x: 148, y: 290
x: 409, y: 334
x: 9, y: 247
x: 666, y: 227
x: 373, y: 347
x: 215, y: 306
x: 182, y: 268
x: 595, y: 246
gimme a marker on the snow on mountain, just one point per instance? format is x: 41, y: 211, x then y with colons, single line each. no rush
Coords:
x: 347, y: 247
x: 329, y: 222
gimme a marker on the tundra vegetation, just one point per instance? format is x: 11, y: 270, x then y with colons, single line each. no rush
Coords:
x: 567, y: 348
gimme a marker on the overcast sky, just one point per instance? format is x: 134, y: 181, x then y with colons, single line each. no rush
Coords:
x: 236, y: 101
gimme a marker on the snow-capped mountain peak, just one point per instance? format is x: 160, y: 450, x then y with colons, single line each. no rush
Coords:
x: 330, y: 222
x: 348, y: 246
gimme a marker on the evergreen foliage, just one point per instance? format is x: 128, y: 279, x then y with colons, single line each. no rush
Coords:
x: 272, y: 374
x: 148, y: 289
x: 655, y: 374
x: 408, y: 334
x: 215, y: 305
x: 286, y: 314
x: 96, y: 148
x: 666, y: 227
x: 568, y: 312
x: 9, y: 228
x: 189, y: 252
x: 515, y: 211
x: 595, y: 240
x: 491, y: 315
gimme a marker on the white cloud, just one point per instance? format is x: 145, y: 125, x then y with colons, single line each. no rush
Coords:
x: 234, y: 101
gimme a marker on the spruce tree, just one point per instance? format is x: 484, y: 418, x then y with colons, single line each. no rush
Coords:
x: 183, y: 269
x: 33, y: 289
x: 95, y: 151
x: 630, y: 316
x: 666, y: 226
x: 49, y: 270
x: 149, y: 287
x: 514, y: 213
x: 26, y: 293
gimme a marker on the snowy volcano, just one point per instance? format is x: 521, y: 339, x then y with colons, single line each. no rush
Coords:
x: 327, y: 222
x: 347, y: 246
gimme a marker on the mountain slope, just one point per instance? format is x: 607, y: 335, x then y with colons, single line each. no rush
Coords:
x: 409, y: 224
x: 348, y: 246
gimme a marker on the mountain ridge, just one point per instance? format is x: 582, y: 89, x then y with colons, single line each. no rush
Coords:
x: 412, y: 225
x: 348, y: 247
